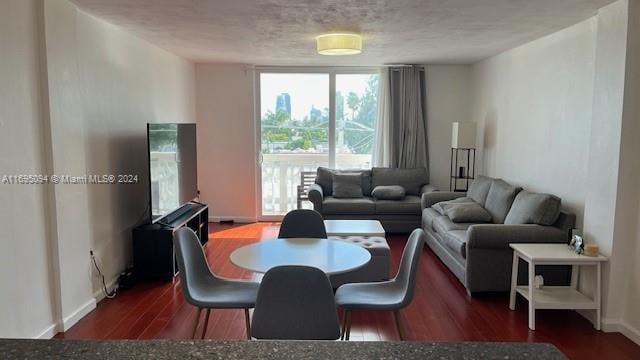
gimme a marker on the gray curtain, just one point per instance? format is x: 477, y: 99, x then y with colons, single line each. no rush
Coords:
x: 408, y: 123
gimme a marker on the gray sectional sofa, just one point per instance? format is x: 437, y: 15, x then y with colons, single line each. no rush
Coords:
x: 402, y: 215
x: 470, y: 232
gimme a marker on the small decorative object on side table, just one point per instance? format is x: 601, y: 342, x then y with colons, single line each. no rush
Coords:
x: 577, y: 242
x: 554, y: 297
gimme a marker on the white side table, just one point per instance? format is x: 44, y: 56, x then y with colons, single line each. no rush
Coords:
x: 554, y: 297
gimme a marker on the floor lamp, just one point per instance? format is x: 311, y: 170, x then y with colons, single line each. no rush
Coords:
x: 463, y: 155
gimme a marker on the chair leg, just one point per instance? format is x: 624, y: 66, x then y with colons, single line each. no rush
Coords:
x: 247, y: 323
x: 206, y: 322
x: 195, y: 325
x: 396, y: 316
x: 344, y: 324
x: 348, y: 326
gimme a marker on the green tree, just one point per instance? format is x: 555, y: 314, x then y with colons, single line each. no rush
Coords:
x: 339, y: 107
x: 369, y: 103
x: 353, y: 102
x: 359, y: 133
x: 275, y: 129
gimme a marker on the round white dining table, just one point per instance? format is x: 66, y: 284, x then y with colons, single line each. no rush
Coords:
x: 331, y: 256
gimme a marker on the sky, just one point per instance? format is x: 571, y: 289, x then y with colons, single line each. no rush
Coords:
x: 306, y: 90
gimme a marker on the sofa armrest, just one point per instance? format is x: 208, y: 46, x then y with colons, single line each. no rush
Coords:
x: 499, y: 236
x: 315, y: 195
x: 427, y: 188
x: 431, y: 198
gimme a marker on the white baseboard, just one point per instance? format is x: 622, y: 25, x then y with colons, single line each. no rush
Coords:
x: 616, y: 325
x: 237, y: 219
x: 49, y: 332
x: 99, y: 295
x: 78, y: 314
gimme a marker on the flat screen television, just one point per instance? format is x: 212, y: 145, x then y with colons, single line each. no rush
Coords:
x: 173, y: 173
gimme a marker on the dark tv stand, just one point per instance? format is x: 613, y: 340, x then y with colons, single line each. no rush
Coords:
x: 153, y: 255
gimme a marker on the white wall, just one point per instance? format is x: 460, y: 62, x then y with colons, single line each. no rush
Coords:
x: 226, y: 140
x: 604, y: 150
x: 26, y: 303
x: 627, y: 225
x: 532, y: 105
x: 70, y: 236
x: 75, y: 96
x: 104, y: 86
x: 125, y: 83
x: 560, y: 115
x: 449, y: 99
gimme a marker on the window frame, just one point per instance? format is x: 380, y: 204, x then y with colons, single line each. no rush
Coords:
x: 332, y: 72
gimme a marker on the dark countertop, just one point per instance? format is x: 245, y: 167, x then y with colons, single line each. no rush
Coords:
x: 218, y: 349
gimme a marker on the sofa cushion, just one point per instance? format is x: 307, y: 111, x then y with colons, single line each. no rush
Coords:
x: 456, y: 240
x: 361, y: 206
x: 479, y: 189
x: 467, y: 213
x: 410, y: 205
x: 533, y: 208
x: 347, y: 185
x: 443, y: 224
x: 442, y: 205
x: 428, y: 215
x: 324, y: 178
x: 499, y: 199
x: 390, y: 192
x: 411, y: 180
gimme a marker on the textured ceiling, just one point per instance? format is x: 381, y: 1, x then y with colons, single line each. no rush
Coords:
x: 282, y: 32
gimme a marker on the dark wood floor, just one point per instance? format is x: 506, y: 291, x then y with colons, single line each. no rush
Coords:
x: 441, y: 309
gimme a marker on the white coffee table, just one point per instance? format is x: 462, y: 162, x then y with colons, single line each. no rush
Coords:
x: 554, y: 297
x: 369, y: 228
x: 332, y: 257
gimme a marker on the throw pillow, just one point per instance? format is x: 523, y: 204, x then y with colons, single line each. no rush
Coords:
x: 347, y: 186
x: 479, y: 189
x: 467, y: 213
x: 390, y: 192
x: 499, y: 199
x: 441, y: 207
x: 411, y: 180
x: 532, y: 208
x: 324, y: 178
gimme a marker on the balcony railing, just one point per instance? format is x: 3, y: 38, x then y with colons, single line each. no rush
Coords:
x: 281, y: 176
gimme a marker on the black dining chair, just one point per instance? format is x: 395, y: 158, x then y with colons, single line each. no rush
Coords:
x: 295, y: 303
x: 391, y: 295
x: 302, y: 223
x: 204, y: 289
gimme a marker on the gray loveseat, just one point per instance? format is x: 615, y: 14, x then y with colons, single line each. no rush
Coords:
x: 396, y: 216
x: 478, y: 253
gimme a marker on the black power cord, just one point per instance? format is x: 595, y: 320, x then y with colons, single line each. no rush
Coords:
x: 107, y: 293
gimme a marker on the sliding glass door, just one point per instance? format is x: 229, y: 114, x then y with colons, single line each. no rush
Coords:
x: 356, y: 112
x: 310, y: 119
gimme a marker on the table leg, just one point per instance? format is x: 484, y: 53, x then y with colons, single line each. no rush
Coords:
x: 598, y: 295
x: 514, y: 280
x: 532, y: 300
x: 575, y: 275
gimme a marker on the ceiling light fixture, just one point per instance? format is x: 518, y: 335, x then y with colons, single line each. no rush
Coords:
x: 339, y: 44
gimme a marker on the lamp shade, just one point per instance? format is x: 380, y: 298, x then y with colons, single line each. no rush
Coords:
x: 463, y: 135
x: 339, y: 44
